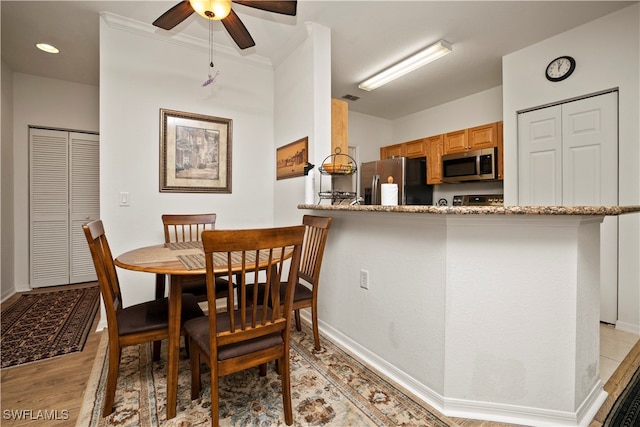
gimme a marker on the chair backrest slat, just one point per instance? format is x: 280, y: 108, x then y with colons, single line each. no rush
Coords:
x: 105, y: 270
x: 263, y: 252
x: 315, y: 239
x: 187, y: 227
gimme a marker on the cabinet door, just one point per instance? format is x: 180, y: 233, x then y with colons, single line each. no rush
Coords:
x: 392, y: 151
x: 485, y: 136
x: 434, y: 159
x: 415, y: 148
x: 456, y: 142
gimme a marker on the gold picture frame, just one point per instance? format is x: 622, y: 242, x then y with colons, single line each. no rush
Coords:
x: 195, y: 153
x: 292, y: 158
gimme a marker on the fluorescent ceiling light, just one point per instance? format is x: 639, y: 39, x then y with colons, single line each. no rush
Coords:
x: 47, y: 48
x: 415, y: 61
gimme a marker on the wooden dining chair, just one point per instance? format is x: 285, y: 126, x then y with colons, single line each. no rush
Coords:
x: 306, y: 292
x: 180, y: 228
x: 253, y: 333
x: 137, y: 324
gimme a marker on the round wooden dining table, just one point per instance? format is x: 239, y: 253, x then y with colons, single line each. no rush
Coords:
x: 177, y: 260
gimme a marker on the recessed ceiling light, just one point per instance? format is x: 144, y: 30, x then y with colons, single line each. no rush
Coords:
x: 47, y: 48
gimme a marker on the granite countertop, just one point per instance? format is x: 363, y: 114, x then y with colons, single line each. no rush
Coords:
x: 483, y: 210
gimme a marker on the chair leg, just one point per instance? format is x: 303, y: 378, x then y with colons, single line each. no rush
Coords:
x: 160, y: 286
x: 112, y: 379
x: 314, y: 324
x: 286, y: 390
x: 297, y: 316
x: 156, y: 350
x: 215, y: 409
x: 194, y: 360
x: 263, y: 370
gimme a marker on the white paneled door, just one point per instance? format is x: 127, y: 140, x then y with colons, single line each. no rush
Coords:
x: 64, y: 194
x: 568, y: 155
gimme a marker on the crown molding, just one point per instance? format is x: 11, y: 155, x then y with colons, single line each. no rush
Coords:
x: 146, y: 30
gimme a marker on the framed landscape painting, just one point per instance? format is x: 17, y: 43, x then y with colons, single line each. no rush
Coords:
x: 292, y: 158
x: 195, y: 153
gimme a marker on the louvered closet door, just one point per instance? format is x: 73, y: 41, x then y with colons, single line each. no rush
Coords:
x: 64, y: 193
x: 49, y: 213
x: 84, y: 204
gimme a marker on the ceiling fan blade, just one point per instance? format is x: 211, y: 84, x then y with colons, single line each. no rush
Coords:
x: 174, y: 16
x: 285, y: 7
x: 238, y: 31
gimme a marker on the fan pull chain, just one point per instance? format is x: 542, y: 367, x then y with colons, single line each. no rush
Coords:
x: 211, y: 79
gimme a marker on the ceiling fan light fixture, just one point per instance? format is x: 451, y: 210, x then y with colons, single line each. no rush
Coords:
x: 212, y: 9
x: 415, y: 61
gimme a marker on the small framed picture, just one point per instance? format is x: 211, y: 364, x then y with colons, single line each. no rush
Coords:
x: 292, y: 158
x: 195, y: 153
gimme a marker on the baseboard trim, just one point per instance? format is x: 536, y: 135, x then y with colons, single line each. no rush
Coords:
x: 628, y: 327
x: 466, y: 408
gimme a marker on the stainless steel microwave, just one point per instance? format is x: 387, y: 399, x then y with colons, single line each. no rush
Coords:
x: 474, y: 165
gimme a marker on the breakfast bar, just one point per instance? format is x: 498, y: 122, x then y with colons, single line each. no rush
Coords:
x: 482, y: 312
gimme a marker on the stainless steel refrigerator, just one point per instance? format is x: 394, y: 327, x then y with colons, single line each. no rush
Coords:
x: 409, y: 174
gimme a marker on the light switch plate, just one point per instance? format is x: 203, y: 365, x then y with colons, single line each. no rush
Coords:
x: 125, y: 199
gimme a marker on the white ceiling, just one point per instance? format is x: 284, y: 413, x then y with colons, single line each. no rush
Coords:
x: 367, y: 36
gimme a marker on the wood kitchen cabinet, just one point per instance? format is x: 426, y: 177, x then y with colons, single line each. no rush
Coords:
x: 475, y: 138
x: 485, y: 136
x: 389, y: 151
x: 417, y: 148
x: 433, y: 147
x: 434, y: 159
x: 456, y: 142
x: 339, y: 128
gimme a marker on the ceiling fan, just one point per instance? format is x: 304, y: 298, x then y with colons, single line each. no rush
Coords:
x: 220, y: 10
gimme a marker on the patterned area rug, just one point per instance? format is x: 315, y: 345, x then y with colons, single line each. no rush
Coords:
x: 47, y: 324
x: 626, y: 410
x: 328, y: 388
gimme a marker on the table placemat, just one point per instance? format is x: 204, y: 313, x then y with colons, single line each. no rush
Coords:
x: 193, y: 261
x: 159, y: 254
x: 196, y: 261
x: 183, y: 245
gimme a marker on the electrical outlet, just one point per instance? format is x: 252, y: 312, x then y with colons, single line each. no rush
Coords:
x: 364, y: 279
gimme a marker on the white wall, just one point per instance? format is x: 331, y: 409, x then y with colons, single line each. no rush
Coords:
x: 473, y: 110
x: 43, y: 102
x: 607, y: 53
x: 302, y: 109
x: 369, y: 133
x: 6, y: 184
x: 140, y: 73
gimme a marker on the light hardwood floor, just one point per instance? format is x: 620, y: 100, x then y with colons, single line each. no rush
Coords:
x: 58, y: 384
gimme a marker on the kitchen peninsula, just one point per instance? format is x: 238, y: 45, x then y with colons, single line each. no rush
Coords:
x: 483, y: 312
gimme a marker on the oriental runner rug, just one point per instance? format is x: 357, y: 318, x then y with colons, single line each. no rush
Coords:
x: 626, y: 410
x: 47, y: 324
x: 328, y: 387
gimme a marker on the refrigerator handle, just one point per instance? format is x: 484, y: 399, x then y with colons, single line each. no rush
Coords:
x: 375, y: 199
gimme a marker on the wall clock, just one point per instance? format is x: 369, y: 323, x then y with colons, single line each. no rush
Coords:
x: 560, y: 68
